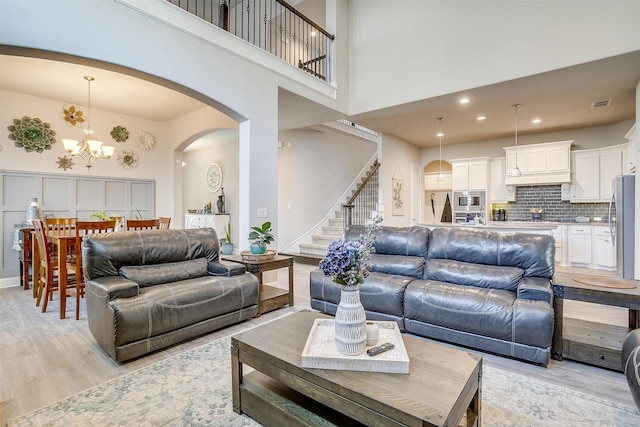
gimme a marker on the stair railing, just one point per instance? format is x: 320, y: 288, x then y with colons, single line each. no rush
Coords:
x: 364, y: 200
x: 272, y: 25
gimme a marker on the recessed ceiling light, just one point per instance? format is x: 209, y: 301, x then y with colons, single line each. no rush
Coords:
x: 440, y: 134
x: 536, y: 121
x: 464, y: 100
x: 481, y: 118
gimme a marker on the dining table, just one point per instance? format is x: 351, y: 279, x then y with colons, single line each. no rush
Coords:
x: 63, y: 241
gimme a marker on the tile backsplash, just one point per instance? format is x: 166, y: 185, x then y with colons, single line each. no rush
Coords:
x: 547, y: 197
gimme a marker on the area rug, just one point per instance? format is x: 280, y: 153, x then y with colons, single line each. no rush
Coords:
x: 194, y: 389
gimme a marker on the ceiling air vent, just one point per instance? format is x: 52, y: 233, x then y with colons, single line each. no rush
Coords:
x: 602, y: 103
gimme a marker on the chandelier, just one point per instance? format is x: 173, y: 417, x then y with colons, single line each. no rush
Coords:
x: 89, y: 149
x: 516, y: 171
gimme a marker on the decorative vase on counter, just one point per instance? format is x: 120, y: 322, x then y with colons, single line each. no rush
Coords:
x: 350, y: 322
x: 33, y: 211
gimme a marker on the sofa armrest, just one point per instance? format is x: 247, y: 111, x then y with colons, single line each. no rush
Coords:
x: 226, y: 268
x: 112, y: 287
x: 536, y: 289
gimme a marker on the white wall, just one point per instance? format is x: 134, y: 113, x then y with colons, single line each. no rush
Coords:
x: 151, y: 37
x: 314, y: 167
x: 195, y: 193
x: 406, y: 50
x: 395, y: 162
x: 157, y: 164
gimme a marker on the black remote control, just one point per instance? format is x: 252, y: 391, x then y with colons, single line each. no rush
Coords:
x: 380, y: 349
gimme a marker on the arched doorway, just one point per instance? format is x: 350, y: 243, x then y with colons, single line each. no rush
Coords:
x: 437, y: 187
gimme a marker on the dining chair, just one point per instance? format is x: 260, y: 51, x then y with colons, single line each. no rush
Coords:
x: 74, y: 267
x: 48, y: 268
x: 60, y: 224
x: 143, y: 224
x: 164, y: 222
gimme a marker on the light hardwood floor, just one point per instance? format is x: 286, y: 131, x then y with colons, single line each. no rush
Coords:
x: 44, y: 359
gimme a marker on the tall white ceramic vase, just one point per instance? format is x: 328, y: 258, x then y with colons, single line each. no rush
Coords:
x: 350, y: 322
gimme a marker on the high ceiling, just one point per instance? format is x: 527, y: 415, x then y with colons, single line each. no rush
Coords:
x: 561, y: 99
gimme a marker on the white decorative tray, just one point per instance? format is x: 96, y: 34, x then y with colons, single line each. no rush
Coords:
x: 320, y: 351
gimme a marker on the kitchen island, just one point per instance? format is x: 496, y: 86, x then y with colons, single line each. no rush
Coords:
x: 539, y: 227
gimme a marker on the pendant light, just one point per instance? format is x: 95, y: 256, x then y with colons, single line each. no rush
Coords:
x: 88, y: 149
x: 516, y: 171
x: 440, y: 177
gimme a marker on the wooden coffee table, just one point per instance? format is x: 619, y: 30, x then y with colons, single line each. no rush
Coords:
x: 442, y: 387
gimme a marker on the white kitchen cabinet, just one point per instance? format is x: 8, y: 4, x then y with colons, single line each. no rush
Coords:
x: 469, y: 174
x: 611, y: 165
x: 604, y: 253
x: 544, y: 163
x: 585, y: 185
x: 593, y: 172
x: 579, y: 242
x: 497, y: 187
x: 218, y: 222
x: 431, y: 182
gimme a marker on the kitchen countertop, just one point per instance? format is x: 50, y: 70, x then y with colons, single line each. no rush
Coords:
x: 516, y: 225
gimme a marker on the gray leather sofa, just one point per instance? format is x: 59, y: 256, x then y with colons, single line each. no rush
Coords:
x: 467, y: 286
x: 146, y: 290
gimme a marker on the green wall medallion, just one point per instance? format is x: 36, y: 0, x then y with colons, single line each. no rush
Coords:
x: 32, y: 134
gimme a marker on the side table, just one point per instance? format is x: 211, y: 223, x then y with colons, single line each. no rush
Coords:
x: 270, y: 297
x: 591, y: 342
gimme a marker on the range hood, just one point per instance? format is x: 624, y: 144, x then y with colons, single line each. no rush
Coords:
x: 540, y: 164
x: 539, y: 179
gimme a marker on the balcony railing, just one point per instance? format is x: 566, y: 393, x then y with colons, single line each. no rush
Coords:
x: 272, y: 25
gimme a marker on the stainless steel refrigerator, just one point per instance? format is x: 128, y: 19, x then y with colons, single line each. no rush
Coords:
x: 622, y: 224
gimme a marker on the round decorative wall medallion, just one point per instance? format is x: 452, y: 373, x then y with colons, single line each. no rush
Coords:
x: 127, y: 159
x: 146, y: 141
x: 213, y: 177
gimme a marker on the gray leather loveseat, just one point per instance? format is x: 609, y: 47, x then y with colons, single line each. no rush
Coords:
x: 146, y: 290
x: 471, y: 287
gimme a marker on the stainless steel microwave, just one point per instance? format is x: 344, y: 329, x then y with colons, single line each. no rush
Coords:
x: 468, y: 201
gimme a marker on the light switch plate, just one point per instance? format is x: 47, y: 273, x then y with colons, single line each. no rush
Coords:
x: 262, y: 212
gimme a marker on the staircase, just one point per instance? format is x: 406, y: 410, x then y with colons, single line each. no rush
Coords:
x: 364, y: 197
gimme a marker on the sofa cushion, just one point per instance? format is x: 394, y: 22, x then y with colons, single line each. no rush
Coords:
x: 411, y: 266
x: 493, y: 313
x: 464, y: 273
x: 411, y: 241
x: 533, y: 253
x: 164, y: 308
x: 104, y: 254
x: 149, y: 275
x: 382, y: 293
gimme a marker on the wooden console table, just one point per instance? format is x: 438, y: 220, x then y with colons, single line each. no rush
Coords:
x: 591, y: 342
x: 270, y: 297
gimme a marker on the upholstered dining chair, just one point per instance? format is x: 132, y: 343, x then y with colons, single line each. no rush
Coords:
x: 164, y: 222
x: 84, y: 228
x: 48, y: 267
x: 143, y: 224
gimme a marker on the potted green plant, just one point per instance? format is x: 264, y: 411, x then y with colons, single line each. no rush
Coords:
x: 227, y: 244
x: 261, y: 237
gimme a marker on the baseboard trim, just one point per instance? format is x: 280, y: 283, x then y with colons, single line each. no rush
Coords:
x: 9, y: 282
